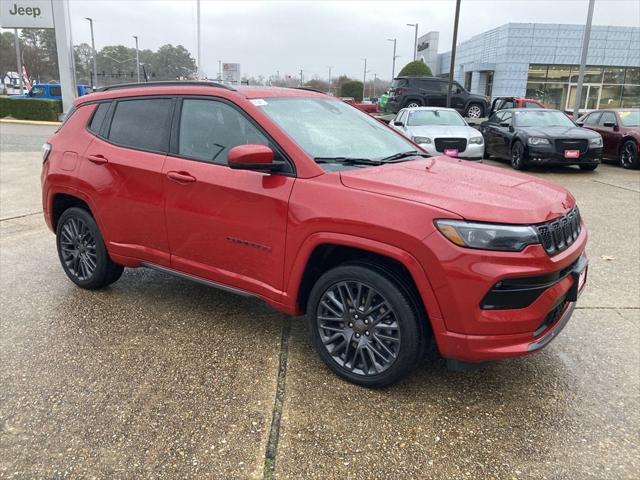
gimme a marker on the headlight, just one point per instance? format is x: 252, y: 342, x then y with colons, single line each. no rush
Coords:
x: 538, y: 141
x: 421, y: 139
x: 595, y: 142
x: 476, y: 141
x: 485, y: 236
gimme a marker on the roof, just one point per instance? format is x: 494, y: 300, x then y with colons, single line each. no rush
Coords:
x: 430, y: 109
x: 195, y: 88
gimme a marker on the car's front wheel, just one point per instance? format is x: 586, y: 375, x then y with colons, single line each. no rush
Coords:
x: 82, y: 252
x: 629, y: 155
x: 474, y: 110
x: 518, y: 156
x: 364, y: 324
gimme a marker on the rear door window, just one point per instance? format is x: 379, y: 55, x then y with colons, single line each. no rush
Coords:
x: 142, y: 124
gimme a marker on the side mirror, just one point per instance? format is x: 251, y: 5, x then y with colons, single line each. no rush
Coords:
x: 609, y: 124
x: 580, y: 124
x: 252, y: 157
x: 398, y: 123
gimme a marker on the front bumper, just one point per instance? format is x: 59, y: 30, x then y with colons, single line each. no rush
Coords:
x: 472, y: 152
x: 547, y: 155
x: 469, y: 331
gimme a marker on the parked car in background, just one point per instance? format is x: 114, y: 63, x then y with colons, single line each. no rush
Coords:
x: 502, y: 103
x: 440, y: 131
x: 51, y: 91
x: 620, y: 131
x: 409, y: 92
x: 317, y: 208
x: 365, y: 107
x: 529, y: 137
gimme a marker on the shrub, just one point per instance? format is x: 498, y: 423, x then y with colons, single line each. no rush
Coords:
x: 30, y: 108
x: 351, y: 88
x: 416, y: 69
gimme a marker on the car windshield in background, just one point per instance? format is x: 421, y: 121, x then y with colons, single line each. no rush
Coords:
x: 419, y: 118
x: 630, y: 118
x: 542, y: 119
x: 326, y: 128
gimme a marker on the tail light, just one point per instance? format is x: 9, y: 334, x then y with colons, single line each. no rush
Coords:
x: 46, y: 150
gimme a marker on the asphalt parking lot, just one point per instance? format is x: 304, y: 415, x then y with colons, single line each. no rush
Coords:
x: 156, y: 377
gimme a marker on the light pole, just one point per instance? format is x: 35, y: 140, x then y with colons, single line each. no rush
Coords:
x: 364, y: 79
x: 453, y: 53
x: 415, y: 41
x: 137, y: 59
x: 18, y: 60
x: 373, y: 87
x: 93, y: 54
x: 393, y: 65
x: 583, y: 59
x: 199, y: 66
x: 329, y: 79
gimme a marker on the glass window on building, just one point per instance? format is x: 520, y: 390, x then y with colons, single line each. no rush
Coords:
x: 488, y: 87
x: 537, y: 73
x: 535, y: 90
x: 467, y: 81
x: 555, y: 95
x: 611, y: 96
x: 632, y: 76
x: 614, y: 75
x: 591, y: 74
x: 559, y: 73
x: 631, y: 96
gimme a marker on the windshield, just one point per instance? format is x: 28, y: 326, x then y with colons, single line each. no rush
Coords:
x: 542, y: 119
x: 630, y: 118
x: 327, y: 128
x: 418, y: 118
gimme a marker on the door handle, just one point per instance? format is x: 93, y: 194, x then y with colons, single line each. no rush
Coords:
x: 98, y: 159
x: 181, y: 177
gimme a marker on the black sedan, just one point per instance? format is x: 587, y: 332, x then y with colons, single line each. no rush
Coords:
x: 540, y: 137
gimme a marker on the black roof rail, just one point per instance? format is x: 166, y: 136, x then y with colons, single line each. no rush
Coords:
x: 170, y: 83
x: 310, y: 89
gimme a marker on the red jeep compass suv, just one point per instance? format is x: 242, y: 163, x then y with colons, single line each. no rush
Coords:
x: 301, y: 200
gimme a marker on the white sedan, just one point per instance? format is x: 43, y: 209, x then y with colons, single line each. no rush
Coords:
x: 440, y: 131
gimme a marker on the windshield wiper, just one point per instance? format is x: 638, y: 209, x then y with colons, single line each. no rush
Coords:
x: 398, y: 156
x: 348, y: 160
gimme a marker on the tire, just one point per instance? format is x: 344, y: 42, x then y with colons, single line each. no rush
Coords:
x: 518, y: 156
x: 474, y: 110
x: 376, y: 344
x: 82, y: 252
x: 589, y: 168
x: 412, y: 104
x: 629, y: 155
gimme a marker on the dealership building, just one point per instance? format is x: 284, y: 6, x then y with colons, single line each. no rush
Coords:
x: 541, y: 61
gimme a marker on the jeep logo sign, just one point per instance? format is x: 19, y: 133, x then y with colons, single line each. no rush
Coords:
x: 26, y: 14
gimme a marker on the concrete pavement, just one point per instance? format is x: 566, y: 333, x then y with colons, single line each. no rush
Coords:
x: 157, y: 377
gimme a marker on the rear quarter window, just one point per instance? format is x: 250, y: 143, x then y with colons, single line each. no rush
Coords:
x: 142, y: 124
x: 98, y: 117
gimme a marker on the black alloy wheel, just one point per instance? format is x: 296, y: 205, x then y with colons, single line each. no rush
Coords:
x: 629, y: 155
x: 82, y: 252
x: 518, y: 156
x: 364, y: 325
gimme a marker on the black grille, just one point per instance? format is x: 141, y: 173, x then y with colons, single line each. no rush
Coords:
x: 443, y: 144
x: 559, y: 234
x: 562, y: 145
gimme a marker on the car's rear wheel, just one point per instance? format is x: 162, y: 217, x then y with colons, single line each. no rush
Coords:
x: 364, y: 325
x: 629, y: 155
x: 82, y: 252
x: 474, y: 110
x: 413, y: 104
x: 518, y: 156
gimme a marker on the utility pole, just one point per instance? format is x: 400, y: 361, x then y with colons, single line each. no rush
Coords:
x: 373, y: 87
x: 329, y: 80
x: 18, y: 60
x: 415, y: 41
x: 137, y: 59
x: 301, y: 78
x: 393, y: 65
x: 364, y: 79
x: 219, y: 70
x: 199, y: 49
x: 583, y: 59
x: 93, y: 54
x: 453, y: 53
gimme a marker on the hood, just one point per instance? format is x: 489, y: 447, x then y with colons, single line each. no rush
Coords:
x: 443, y: 131
x: 471, y: 190
x: 560, y: 132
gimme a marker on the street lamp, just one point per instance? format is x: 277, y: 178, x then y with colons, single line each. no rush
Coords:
x: 393, y: 66
x: 137, y: 59
x: 364, y: 79
x: 93, y: 53
x: 329, y: 79
x: 415, y: 41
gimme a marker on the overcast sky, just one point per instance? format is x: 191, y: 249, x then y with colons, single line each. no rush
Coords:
x: 286, y: 36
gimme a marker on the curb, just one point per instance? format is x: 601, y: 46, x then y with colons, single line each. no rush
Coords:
x: 29, y: 122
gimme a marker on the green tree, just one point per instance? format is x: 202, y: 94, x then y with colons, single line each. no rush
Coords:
x: 318, y: 84
x: 82, y: 55
x: 416, y: 69
x: 39, y: 55
x: 351, y: 88
x: 172, y: 63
